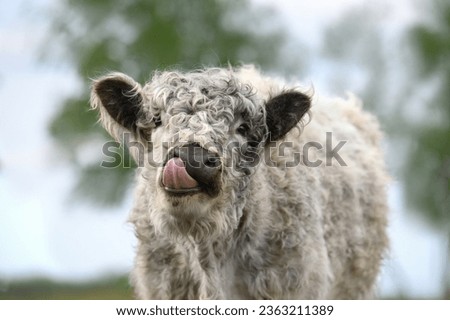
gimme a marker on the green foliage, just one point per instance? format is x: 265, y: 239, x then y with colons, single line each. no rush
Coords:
x: 137, y: 37
x: 427, y: 175
x: 427, y: 172
x: 432, y: 40
x: 74, y: 123
x: 107, y: 185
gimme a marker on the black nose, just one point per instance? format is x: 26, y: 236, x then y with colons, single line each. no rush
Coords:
x: 201, y: 164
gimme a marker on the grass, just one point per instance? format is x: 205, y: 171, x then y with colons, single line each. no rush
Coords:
x: 114, y: 288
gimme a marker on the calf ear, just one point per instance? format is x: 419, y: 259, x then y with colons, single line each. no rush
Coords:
x: 284, y: 111
x: 119, y: 100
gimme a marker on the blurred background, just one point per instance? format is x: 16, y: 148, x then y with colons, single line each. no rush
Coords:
x: 63, y: 230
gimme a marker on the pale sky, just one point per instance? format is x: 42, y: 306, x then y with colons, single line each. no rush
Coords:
x: 42, y: 234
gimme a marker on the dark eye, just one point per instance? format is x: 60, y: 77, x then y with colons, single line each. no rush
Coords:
x: 157, y: 121
x: 243, y: 129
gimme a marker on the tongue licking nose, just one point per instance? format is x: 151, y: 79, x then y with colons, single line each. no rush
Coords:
x: 176, y: 177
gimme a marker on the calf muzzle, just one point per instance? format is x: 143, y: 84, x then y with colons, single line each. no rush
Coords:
x: 191, y: 169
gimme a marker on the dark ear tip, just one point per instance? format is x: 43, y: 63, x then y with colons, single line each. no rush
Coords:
x: 292, y: 96
x: 114, y: 80
x: 102, y: 85
x: 120, y: 97
x: 112, y: 87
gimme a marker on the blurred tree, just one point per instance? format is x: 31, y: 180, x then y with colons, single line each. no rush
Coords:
x: 430, y: 158
x: 136, y: 37
x: 427, y: 173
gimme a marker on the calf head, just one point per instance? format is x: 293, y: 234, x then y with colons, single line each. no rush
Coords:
x: 202, y: 134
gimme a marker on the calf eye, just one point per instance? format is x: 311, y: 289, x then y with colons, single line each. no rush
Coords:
x: 157, y: 121
x: 243, y: 129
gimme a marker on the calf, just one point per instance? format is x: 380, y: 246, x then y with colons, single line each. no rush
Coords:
x: 248, y: 188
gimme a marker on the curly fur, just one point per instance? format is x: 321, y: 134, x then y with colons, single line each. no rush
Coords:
x: 274, y: 231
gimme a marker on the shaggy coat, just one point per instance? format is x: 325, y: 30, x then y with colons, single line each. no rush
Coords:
x: 295, y: 207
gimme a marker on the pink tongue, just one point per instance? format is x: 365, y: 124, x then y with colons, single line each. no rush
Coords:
x: 175, y: 175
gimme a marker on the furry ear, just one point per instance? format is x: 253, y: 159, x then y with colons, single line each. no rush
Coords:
x: 284, y: 111
x: 119, y: 99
